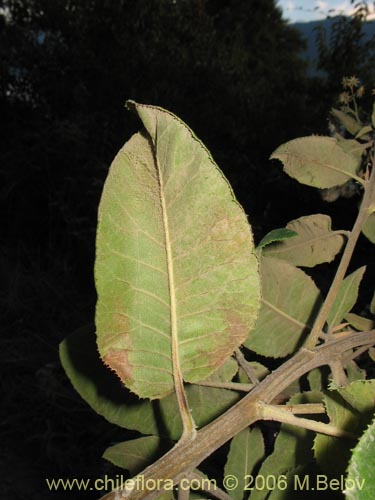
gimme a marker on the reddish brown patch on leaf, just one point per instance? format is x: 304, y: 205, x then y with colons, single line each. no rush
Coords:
x: 233, y: 336
x: 237, y: 327
x: 118, y: 362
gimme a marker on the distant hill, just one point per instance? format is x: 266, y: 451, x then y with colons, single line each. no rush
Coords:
x: 309, y: 32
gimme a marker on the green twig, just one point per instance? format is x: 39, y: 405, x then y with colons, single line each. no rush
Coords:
x: 278, y: 414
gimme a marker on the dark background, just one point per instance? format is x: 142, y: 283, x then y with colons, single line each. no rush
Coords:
x: 233, y: 71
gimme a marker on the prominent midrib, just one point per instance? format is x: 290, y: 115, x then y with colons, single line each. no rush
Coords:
x: 187, y: 420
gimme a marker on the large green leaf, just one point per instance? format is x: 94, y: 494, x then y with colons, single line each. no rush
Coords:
x: 175, y: 270
x: 290, y: 299
x: 346, y: 297
x: 360, y: 482
x: 317, y: 161
x: 105, y: 393
x: 315, y: 242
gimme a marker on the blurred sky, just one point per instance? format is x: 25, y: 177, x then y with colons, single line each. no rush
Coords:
x: 310, y: 10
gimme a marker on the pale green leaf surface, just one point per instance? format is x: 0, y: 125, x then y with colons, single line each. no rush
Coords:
x: 346, y: 297
x: 108, y: 397
x: 135, y: 455
x: 175, y: 263
x: 347, y: 121
x: 360, y: 483
x: 289, y: 302
x: 317, y: 378
x: 368, y: 228
x: 314, y: 244
x: 226, y: 372
x: 354, y: 373
x: 246, y: 449
x: 360, y: 395
x: 364, y: 130
x: 359, y: 322
x: 293, y: 447
x: 276, y: 235
x: 317, y: 161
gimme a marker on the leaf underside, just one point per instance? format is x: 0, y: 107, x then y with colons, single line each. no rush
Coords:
x: 314, y: 243
x: 317, y: 161
x: 175, y: 267
x: 289, y: 302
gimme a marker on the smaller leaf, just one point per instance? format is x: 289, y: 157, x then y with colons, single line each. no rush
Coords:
x: 346, y: 297
x: 349, y: 408
x: 354, y: 372
x: 260, y: 371
x: 100, y: 387
x: 292, y: 448
x: 359, y: 322
x: 343, y: 416
x: 136, y: 454
x: 317, y: 161
x: 317, y: 378
x: 364, y: 130
x: 246, y: 449
x: 276, y: 235
x: 360, y: 395
x: 360, y: 482
x: 314, y: 244
x: 347, y: 121
x: 373, y: 115
x: 368, y: 228
x: 289, y: 302
x: 372, y: 305
x: 352, y: 147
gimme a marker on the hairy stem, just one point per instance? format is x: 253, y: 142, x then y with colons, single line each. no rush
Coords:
x: 278, y: 414
x: 185, y: 456
x: 305, y: 408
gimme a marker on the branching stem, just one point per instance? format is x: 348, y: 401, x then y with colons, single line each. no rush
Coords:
x: 185, y: 456
x: 365, y: 210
